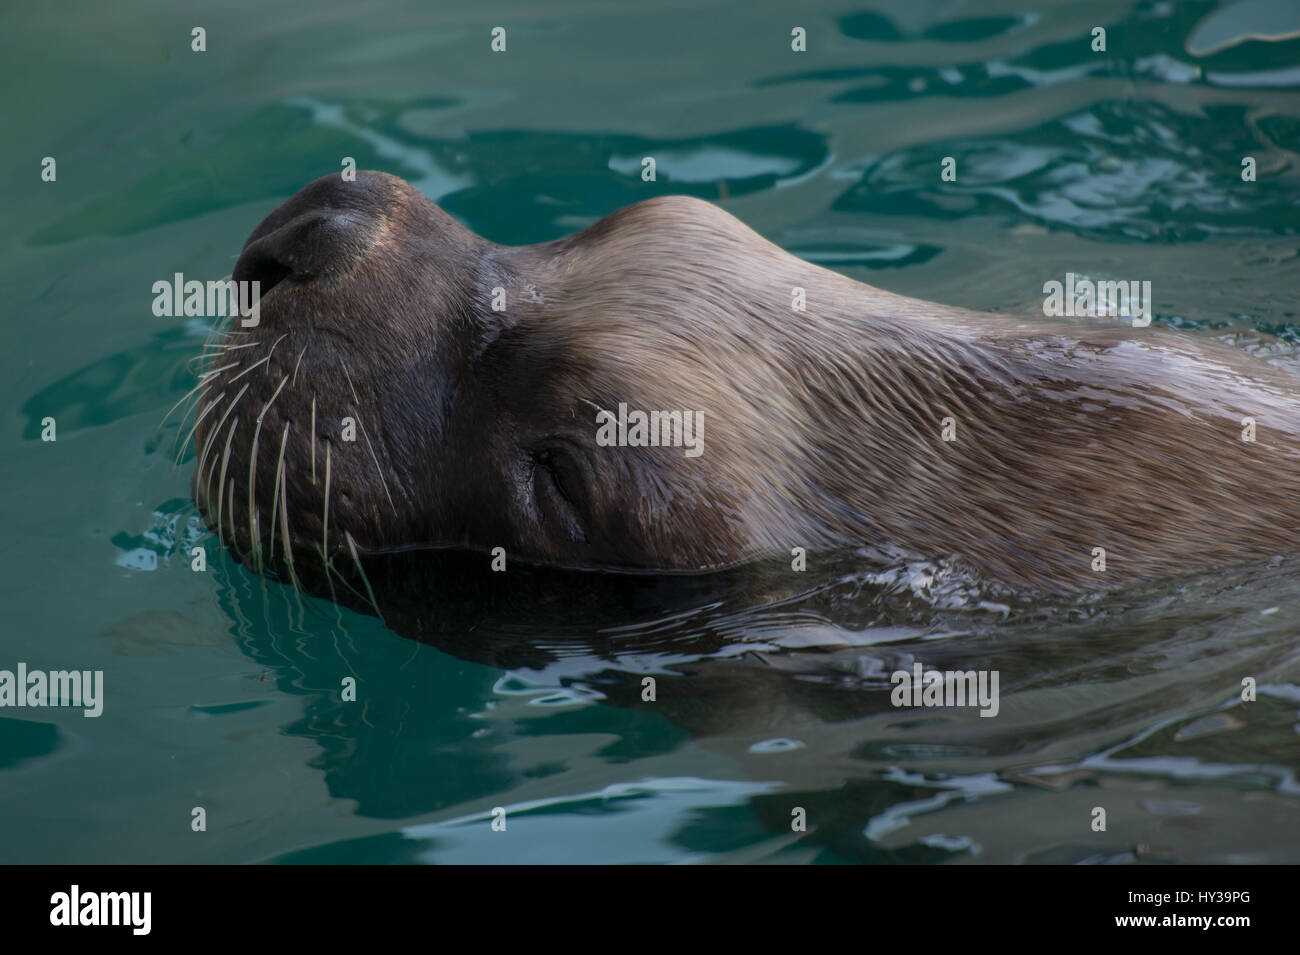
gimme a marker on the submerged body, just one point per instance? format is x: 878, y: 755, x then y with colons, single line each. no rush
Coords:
x: 868, y: 418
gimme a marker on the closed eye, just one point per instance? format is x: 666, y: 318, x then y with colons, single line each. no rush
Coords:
x: 560, y: 488
x: 548, y: 461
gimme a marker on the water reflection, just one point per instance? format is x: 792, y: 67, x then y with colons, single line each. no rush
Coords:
x: 1131, y: 701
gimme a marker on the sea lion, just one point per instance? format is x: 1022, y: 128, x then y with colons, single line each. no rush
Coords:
x: 411, y: 384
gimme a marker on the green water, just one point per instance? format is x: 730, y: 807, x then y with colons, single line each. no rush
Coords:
x: 223, y: 692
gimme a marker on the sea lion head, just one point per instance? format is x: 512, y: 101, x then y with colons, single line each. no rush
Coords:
x: 410, y: 384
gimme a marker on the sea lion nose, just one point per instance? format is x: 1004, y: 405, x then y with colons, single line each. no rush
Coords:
x: 303, y: 248
x: 324, y: 227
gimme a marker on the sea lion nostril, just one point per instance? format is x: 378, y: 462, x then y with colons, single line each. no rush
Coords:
x: 302, y: 248
x: 258, y: 266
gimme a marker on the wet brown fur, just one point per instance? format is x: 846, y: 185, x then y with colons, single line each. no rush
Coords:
x: 822, y: 428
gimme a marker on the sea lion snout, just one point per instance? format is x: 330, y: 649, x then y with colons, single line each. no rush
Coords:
x: 324, y: 229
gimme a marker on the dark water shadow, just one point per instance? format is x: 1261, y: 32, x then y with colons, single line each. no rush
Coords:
x: 1131, y: 700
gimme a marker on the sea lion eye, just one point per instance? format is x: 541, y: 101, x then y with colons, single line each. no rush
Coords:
x: 559, y: 485
x: 554, y: 465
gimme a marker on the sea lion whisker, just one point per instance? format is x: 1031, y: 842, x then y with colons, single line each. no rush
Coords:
x: 325, y: 518
x: 365, y: 434
x: 312, y: 440
x: 296, y: 364
x: 200, y: 364
x: 203, y: 380
x: 373, y: 457
x: 255, y: 545
x: 220, y: 330
x: 231, y: 513
x: 163, y: 423
x: 202, y: 414
x: 287, y: 544
x: 221, y: 482
x: 211, y: 373
x: 260, y: 361
x: 349, y: 378
x: 202, y: 361
x: 213, y: 331
x: 273, y: 344
x: 211, y: 353
x: 226, y: 346
x: 352, y: 546
x: 329, y: 571
x: 208, y: 349
x: 235, y: 333
x: 279, y: 479
x: 207, y: 445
